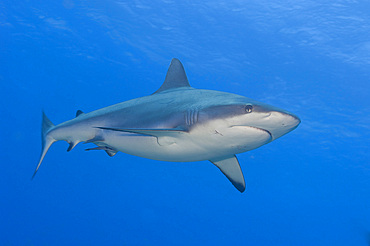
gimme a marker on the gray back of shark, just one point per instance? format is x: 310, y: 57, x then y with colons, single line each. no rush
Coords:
x: 177, y: 123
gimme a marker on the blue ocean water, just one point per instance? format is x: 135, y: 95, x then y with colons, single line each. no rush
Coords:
x: 311, y: 187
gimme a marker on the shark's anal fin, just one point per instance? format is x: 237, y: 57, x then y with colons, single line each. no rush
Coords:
x: 229, y: 166
x: 72, y: 145
x: 164, y: 136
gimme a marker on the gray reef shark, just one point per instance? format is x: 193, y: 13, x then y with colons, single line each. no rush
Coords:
x: 177, y: 123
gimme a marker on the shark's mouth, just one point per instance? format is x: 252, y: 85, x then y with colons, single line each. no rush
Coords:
x: 259, y: 129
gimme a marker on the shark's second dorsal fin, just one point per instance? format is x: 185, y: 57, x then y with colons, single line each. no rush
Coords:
x: 175, y: 77
x: 79, y: 112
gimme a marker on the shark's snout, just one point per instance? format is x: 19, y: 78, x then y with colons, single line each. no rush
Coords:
x: 290, y: 122
x: 294, y: 121
x: 280, y: 123
x: 276, y: 121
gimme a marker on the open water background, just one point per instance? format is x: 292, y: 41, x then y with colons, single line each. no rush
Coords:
x: 311, y: 187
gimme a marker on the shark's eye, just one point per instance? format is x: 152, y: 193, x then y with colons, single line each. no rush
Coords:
x: 248, y: 109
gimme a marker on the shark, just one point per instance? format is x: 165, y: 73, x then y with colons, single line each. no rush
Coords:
x: 177, y: 123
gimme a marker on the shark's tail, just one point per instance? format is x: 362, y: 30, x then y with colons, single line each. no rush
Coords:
x: 47, y: 140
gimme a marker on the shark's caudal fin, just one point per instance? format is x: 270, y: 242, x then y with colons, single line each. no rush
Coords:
x: 47, y: 141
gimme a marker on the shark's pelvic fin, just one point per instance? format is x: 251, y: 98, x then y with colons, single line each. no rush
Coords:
x: 111, y: 152
x: 175, y: 77
x: 97, y: 138
x: 79, y: 112
x: 46, y: 140
x: 230, y: 167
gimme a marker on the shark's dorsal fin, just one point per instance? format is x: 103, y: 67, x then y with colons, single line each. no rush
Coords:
x: 175, y: 77
x: 79, y: 112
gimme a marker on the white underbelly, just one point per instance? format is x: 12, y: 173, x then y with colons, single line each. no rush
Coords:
x: 200, y: 145
x: 148, y: 147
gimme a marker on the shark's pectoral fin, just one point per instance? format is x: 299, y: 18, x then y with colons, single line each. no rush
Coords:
x: 164, y: 136
x: 230, y: 167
